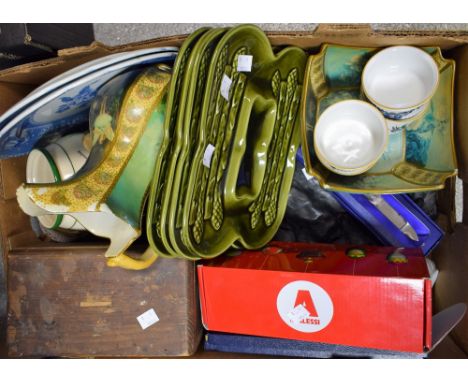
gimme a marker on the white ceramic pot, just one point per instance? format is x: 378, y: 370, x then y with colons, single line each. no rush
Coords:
x: 57, y: 162
x: 400, y: 81
x: 350, y: 137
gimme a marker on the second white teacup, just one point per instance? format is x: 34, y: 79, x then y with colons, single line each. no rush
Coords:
x: 56, y: 162
x: 400, y: 81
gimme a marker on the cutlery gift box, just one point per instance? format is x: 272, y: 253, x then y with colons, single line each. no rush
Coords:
x: 429, y: 233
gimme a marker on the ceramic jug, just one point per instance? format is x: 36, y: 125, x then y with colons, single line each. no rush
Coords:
x: 108, y: 194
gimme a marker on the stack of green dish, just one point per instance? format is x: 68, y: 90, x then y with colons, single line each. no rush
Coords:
x: 226, y: 162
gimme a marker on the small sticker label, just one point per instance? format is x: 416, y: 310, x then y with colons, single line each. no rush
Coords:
x: 244, y: 63
x: 147, y: 319
x: 298, y: 314
x: 207, y: 155
x: 225, y: 86
x: 306, y: 174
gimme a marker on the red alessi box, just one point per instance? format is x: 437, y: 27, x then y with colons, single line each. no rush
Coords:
x: 374, y: 297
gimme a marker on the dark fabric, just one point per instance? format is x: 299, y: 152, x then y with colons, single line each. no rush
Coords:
x: 234, y: 343
x: 314, y: 215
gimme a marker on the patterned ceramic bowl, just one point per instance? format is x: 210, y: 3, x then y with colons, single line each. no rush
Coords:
x: 400, y: 81
x: 350, y: 137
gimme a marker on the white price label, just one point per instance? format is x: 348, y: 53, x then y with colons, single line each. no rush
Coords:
x: 298, y: 314
x: 147, y: 319
x: 225, y: 86
x: 244, y: 63
x: 208, y: 155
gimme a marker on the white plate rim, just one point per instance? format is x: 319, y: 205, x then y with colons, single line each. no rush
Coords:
x: 79, y: 82
x: 77, y: 72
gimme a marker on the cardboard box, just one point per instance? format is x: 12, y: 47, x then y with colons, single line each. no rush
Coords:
x: 36, y: 40
x: 21, y: 43
x: 373, y: 297
x: 452, y: 255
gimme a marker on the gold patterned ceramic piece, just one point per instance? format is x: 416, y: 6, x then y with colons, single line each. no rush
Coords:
x: 86, y: 195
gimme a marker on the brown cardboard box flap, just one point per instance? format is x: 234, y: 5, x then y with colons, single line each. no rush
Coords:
x: 451, y: 257
x: 346, y: 34
x: 36, y: 73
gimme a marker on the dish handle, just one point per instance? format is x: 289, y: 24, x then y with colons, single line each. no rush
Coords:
x: 246, y: 170
x: 135, y: 264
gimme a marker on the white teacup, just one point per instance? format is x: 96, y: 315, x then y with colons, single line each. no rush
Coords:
x: 400, y: 81
x: 56, y: 162
x: 350, y: 137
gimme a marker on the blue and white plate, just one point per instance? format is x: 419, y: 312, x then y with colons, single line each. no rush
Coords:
x: 74, y: 74
x: 64, y: 108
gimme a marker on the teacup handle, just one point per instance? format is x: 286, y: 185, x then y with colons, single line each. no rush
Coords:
x: 126, y: 262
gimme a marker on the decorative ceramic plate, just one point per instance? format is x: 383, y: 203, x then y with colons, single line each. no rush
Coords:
x: 65, y: 107
x: 160, y: 183
x: 240, y: 192
x: 420, y: 154
x: 76, y: 73
x: 185, y: 138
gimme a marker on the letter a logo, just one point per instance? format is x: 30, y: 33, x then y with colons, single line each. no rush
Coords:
x: 304, y: 298
x: 313, y: 299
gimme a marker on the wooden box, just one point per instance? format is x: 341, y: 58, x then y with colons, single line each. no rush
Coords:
x: 68, y: 303
x: 63, y: 300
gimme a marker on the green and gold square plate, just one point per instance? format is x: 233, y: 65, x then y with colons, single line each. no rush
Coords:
x: 420, y: 155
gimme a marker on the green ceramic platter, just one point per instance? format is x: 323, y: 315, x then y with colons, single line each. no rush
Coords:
x: 255, y: 134
x: 153, y: 223
x: 218, y: 129
x: 186, y: 137
x: 420, y: 155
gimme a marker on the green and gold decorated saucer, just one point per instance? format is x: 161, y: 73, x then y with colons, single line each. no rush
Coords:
x: 420, y: 154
